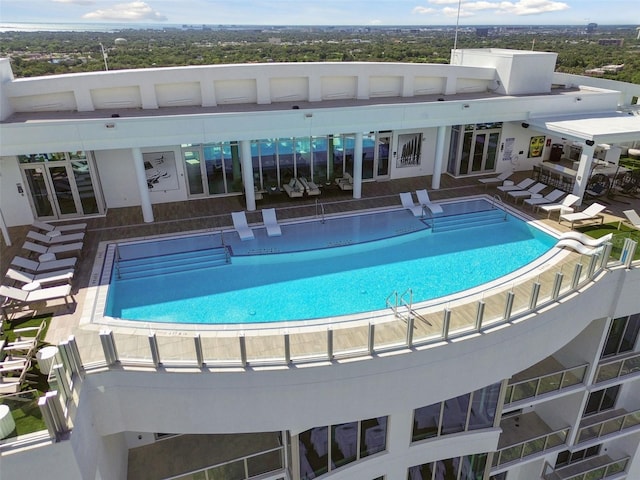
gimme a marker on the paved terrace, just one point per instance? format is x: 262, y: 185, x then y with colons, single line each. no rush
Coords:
x: 214, y: 214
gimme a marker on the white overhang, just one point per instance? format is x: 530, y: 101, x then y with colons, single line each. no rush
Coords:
x: 610, y: 128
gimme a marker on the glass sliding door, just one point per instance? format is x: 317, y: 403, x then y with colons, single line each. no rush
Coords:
x: 212, y: 169
x: 61, y: 185
x: 473, y: 149
x: 381, y: 162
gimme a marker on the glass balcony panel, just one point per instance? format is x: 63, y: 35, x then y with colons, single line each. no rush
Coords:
x: 616, y: 467
x: 608, y: 372
x: 507, y: 396
x: 574, y: 376
x: 230, y: 471
x: 176, y: 349
x: 354, y: 339
x: 220, y: 349
x: 463, y: 318
x: 524, y: 390
x: 311, y: 344
x: 534, y: 446
x: 427, y: 326
x: 550, y: 383
x: 132, y: 347
x: 588, y: 433
x: 390, y: 333
x: 511, y: 454
x: 264, y: 463
x: 264, y: 347
x: 595, y: 474
x: 632, y: 419
x: 631, y: 365
x: 197, y: 476
x: 557, y: 438
x: 612, y: 426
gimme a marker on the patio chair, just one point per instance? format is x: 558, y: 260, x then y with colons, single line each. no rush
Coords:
x: 565, y: 206
x: 52, y: 229
x: 589, y: 213
x: 45, y: 278
x: 33, y: 266
x: 425, y: 201
x: 309, y: 187
x: 345, y: 182
x: 241, y: 226
x: 294, y: 188
x: 55, y: 240
x: 495, y: 180
x: 537, y: 199
x: 17, y: 297
x: 13, y: 384
x: 633, y: 217
x: 585, y: 239
x: 271, y: 222
x: 526, y: 193
x: 508, y: 185
x: 53, y: 249
x: 576, y: 245
x: 407, y: 202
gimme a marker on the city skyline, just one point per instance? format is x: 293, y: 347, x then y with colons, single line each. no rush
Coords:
x: 320, y: 12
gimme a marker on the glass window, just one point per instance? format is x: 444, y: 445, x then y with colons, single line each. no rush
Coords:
x: 344, y: 443
x: 601, y: 400
x: 373, y: 435
x: 484, y: 406
x: 454, y: 414
x: 622, y: 336
x: 426, y: 421
x: 314, y: 452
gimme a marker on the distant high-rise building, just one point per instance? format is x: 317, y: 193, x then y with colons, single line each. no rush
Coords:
x: 592, y: 27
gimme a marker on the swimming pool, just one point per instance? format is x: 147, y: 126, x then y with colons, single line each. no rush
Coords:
x: 316, y: 269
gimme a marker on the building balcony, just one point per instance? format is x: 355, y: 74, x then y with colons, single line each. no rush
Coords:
x: 592, y: 468
x: 607, y: 423
x: 546, y: 376
x: 617, y: 367
x: 524, y: 436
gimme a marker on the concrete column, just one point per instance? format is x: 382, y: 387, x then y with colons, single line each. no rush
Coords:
x: 584, y: 169
x: 438, y: 162
x: 247, y: 174
x: 143, y: 188
x: 399, y: 430
x: 357, y: 167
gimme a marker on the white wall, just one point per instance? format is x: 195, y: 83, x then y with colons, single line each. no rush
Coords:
x: 55, y: 461
x: 16, y: 209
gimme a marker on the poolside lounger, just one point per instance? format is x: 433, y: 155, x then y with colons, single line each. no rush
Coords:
x: 309, y: 187
x: 33, y: 266
x: 538, y: 199
x: 589, y: 213
x: 17, y: 296
x: 241, y: 226
x: 508, y: 185
x: 54, y: 230
x: 526, y: 193
x: 565, y: 206
x: 61, y: 248
x: 586, y: 239
x: 633, y: 217
x: 407, y: 202
x: 48, y: 240
x: 294, y: 188
x: 577, y: 246
x: 345, y: 182
x: 425, y: 201
x: 13, y: 384
x: 494, y: 180
x: 271, y: 222
x: 54, y: 276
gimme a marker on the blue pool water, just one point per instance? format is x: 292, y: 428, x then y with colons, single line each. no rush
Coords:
x: 302, y: 279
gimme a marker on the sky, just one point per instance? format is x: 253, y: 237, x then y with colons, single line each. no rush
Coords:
x: 324, y: 12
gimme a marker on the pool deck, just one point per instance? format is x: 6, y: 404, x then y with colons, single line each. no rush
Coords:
x: 214, y: 214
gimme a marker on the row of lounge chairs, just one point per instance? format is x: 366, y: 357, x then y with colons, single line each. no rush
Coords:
x: 17, y: 357
x: 40, y: 275
x: 298, y: 187
x: 245, y: 232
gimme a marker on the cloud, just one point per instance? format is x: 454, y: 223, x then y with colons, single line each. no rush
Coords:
x: 424, y: 10
x: 531, y: 7
x: 126, y: 12
x: 468, y: 8
x: 76, y: 2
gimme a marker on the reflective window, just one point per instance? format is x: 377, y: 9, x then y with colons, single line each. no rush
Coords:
x: 469, y: 467
x: 602, y: 400
x: 622, y: 336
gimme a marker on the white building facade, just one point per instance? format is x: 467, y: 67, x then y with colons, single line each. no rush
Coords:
x: 552, y: 393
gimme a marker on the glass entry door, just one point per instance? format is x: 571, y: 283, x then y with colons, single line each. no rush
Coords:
x: 381, y: 164
x: 473, y: 149
x: 60, y: 185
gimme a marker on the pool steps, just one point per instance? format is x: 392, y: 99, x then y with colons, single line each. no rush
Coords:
x: 467, y: 220
x: 171, y: 263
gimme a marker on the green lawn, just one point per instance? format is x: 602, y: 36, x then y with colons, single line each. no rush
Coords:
x: 24, y: 406
x: 620, y: 232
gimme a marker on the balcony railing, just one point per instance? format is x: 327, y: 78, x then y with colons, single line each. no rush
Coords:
x: 591, y: 469
x: 618, y: 367
x: 550, y: 382
x: 259, y: 464
x: 607, y: 423
x: 517, y: 452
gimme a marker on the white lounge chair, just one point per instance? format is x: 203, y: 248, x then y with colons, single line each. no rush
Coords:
x: 577, y: 246
x: 33, y: 266
x: 294, y: 188
x: 16, y: 296
x: 309, y: 187
x: 495, y: 180
x: 538, y: 199
x: 589, y: 213
x: 54, y: 249
x: 241, y: 226
x: 425, y: 201
x: 54, y: 230
x: 633, y: 217
x: 565, y: 206
x: 271, y: 222
x: 45, y: 278
x: 526, y: 193
x: 407, y: 202
x: 345, y: 182
x: 60, y: 239
x: 508, y: 185
x: 585, y: 239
